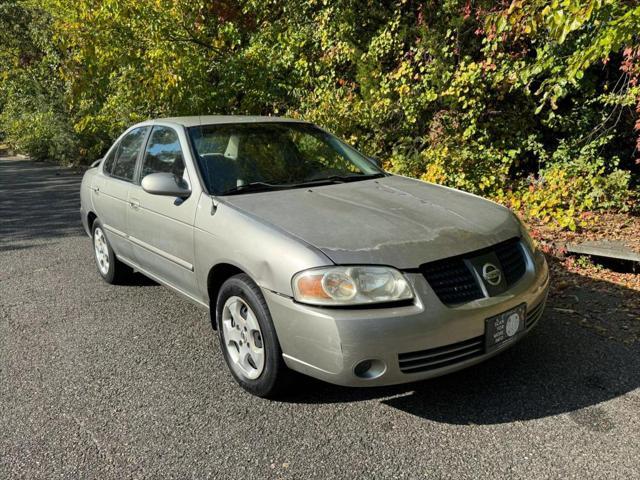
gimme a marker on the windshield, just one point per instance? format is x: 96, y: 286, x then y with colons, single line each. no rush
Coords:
x: 234, y: 157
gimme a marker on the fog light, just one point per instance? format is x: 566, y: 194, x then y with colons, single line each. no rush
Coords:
x: 369, y: 369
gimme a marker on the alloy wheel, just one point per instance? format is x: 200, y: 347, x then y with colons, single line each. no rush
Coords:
x: 102, y: 250
x: 243, y: 338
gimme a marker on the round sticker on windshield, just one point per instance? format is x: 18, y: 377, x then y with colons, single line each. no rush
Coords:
x: 513, y: 322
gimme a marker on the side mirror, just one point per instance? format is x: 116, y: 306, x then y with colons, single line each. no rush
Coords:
x: 377, y: 162
x: 165, y: 184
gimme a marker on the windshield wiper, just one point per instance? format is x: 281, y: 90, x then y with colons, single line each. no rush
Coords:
x: 346, y: 178
x: 254, y: 187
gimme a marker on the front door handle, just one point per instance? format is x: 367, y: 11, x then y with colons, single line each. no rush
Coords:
x: 134, y: 203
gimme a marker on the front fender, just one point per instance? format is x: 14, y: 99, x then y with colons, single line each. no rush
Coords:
x: 269, y: 256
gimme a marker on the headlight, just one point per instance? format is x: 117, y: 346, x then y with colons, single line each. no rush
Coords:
x: 353, y: 285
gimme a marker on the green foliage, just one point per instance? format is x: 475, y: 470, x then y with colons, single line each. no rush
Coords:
x: 584, y: 261
x: 33, y: 114
x: 533, y: 102
x: 40, y: 130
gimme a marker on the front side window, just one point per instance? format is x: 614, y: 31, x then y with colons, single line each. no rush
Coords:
x: 232, y: 157
x: 128, y: 150
x: 163, y: 153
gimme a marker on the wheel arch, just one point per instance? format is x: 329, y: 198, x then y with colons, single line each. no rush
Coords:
x: 91, y: 218
x: 218, y: 274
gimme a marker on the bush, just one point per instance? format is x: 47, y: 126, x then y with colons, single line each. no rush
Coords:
x: 33, y: 125
x: 575, y: 181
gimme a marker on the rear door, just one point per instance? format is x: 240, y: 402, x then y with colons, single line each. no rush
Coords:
x: 110, y: 190
x: 161, y: 227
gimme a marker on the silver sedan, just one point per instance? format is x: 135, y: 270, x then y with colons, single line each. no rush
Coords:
x: 308, y: 255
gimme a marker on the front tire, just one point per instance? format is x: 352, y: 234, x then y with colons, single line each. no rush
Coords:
x: 112, y: 270
x: 248, y: 339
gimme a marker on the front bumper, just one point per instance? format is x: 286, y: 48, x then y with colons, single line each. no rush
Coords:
x: 328, y: 343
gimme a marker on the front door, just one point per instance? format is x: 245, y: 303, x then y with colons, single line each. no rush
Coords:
x: 161, y: 227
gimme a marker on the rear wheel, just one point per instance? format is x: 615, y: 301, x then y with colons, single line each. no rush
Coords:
x: 110, y: 268
x: 248, y: 339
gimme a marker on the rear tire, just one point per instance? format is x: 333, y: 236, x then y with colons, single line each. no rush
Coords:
x: 248, y: 339
x: 112, y: 270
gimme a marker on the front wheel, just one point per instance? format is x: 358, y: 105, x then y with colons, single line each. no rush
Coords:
x: 248, y: 339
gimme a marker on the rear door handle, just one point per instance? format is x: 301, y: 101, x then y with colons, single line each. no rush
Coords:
x: 96, y: 189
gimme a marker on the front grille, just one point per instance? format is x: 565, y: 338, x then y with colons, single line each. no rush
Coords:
x: 534, y: 315
x: 453, y: 281
x: 511, y: 259
x: 440, y: 357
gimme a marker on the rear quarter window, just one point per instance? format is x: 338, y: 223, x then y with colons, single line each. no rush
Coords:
x: 107, y: 164
x: 128, y: 152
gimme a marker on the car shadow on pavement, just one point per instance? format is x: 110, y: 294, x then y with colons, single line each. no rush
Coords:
x: 137, y: 279
x: 561, y: 367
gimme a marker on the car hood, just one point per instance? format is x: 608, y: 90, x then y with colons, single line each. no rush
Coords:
x: 393, y: 220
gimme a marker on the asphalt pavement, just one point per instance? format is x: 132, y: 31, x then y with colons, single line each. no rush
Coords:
x: 100, y: 381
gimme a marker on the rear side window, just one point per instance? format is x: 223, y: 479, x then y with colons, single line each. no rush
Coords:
x: 128, y: 150
x: 163, y: 153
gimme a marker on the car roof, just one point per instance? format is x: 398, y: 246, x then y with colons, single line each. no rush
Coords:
x: 196, y: 120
